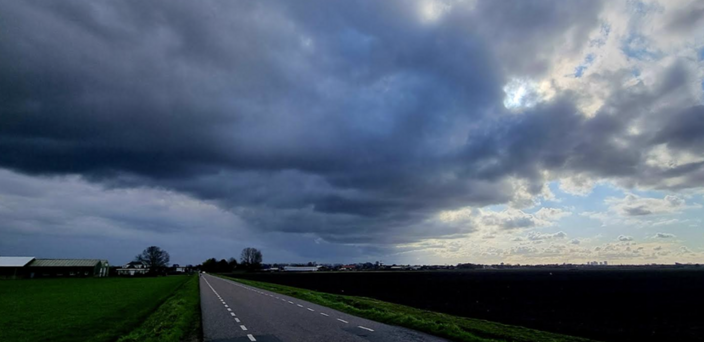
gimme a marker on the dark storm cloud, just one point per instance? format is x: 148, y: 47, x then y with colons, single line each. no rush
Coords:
x: 556, y: 136
x: 684, y: 130
x: 356, y: 123
x: 525, y: 33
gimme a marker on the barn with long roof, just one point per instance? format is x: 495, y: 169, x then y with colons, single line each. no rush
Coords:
x: 31, y: 267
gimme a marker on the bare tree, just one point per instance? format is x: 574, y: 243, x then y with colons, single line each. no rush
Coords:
x: 251, y: 257
x: 156, y: 258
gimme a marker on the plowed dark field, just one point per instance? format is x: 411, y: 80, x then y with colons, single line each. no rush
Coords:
x: 608, y: 305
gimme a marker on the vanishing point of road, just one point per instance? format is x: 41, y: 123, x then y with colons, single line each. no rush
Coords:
x: 234, y: 312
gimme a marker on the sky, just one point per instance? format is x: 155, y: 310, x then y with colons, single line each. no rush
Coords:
x: 408, y: 132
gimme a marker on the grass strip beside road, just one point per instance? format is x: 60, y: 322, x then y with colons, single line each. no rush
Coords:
x: 448, y: 326
x: 178, y: 319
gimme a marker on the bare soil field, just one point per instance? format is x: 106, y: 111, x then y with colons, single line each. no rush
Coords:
x: 608, y: 305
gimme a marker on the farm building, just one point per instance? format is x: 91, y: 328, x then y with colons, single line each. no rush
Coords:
x: 31, y: 267
x: 134, y: 268
x: 67, y: 268
x: 301, y: 268
x: 13, y: 267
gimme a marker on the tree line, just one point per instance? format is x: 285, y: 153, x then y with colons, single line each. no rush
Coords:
x: 158, y: 259
x: 250, y: 259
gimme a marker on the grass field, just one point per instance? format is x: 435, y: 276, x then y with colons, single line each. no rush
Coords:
x: 89, y: 309
x: 438, y: 324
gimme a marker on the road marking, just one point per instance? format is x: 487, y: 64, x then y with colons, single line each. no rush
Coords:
x: 243, y: 327
x: 226, y: 306
x: 299, y: 305
x: 342, y: 320
x: 324, y: 314
x: 228, y: 309
x: 251, y: 338
x: 309, y: 309
x: 237, y: 320
x: 290, y: 302
x: 365, y: 328
x: 232, y: 314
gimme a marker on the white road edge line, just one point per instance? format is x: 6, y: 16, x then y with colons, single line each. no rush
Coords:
x: 228, y: 309
x: 232, y: 314
x: 237, y: 320
x: 299, y: 305
x: 365, y: 328
x: 342, y: 320
x: 251, y: 338
x: 243, y: 327
x: 324, y: 314
x: 309, y: 309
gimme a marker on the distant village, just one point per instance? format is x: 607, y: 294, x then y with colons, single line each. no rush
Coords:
x: 31, y: 267
x: 378, y: 266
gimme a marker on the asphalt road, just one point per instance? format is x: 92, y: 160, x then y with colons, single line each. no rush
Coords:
x: 236, y: 312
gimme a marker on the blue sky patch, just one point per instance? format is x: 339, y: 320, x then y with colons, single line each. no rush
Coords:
x: 579, y: 70
x: 638, y: 47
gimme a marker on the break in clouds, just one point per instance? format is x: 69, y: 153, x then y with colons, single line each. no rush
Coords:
x: 451, y: 130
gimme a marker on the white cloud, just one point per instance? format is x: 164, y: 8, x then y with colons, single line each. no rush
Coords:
x: 535, y: 236
x: 624, y: 238
x: 663, y: 236
x: 508, y: 219
x: 578, y: 185
x: 633, y: 205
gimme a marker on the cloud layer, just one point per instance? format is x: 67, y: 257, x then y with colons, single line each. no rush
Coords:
x: 353, y: 124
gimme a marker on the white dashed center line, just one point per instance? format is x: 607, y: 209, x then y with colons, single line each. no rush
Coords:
x: 250, y: 336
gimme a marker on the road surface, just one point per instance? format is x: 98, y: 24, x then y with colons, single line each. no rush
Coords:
x: 236, y: 312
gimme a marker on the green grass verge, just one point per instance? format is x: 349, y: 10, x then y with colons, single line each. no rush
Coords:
x: 452, y: 327
x: 178, y: 319
x: 85, y: 309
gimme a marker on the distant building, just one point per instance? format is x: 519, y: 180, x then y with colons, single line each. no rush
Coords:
x: 348, y: 267
x: 30, y: 267
x: 133, y: 268
x: 301, y: 268
x: 68, y: 268
x: 13, y: 267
